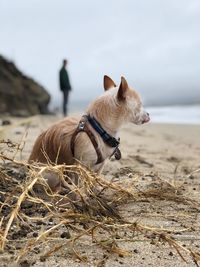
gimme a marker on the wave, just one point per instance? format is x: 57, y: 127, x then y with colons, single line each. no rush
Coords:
x: 175, y: 114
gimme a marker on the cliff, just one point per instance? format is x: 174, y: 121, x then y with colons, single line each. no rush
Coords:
x: 19, y: 94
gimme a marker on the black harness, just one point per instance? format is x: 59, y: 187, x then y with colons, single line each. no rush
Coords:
x: 107, y: 138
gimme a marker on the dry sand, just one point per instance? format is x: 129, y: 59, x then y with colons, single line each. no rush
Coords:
x: 172, y: 152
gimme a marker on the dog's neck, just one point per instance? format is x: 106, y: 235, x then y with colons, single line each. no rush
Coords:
x: 106, y: 125
x: 111, y: 124
x: 108, y: 113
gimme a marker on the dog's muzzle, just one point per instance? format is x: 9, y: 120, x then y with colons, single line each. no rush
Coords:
x: 146, y: 118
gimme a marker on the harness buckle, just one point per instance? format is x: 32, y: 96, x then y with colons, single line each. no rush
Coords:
x: 117, y: 154
x: 81, y: 125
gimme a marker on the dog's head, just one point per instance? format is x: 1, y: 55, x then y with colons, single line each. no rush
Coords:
x: 127, y: 101
x: 118, y: 105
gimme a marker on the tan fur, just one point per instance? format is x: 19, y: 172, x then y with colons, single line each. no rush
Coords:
x: 108, y: 83
x: 114, y: 108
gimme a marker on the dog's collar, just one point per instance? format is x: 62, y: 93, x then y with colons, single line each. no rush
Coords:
x: 107, y: 138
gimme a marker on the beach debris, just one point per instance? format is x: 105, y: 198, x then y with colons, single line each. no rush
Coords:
x: 142, y: 160
x: 32, y: 217
x: 173, y: 159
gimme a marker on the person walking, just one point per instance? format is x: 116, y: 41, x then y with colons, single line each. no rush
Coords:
x: 65, y: 85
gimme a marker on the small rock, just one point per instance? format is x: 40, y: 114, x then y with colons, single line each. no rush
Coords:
x: 5, y: 122
x: 65, y: 235
x: 171, y: 253
x: 24, y: 263
x: 42, y: 258
x: 39, y: 223
x: 18, y: 132
x: 191, y: 177
x: 35, y: 234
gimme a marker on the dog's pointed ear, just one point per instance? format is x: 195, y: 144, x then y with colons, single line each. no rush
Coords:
x: 108, y: 83
x: 123, y: 88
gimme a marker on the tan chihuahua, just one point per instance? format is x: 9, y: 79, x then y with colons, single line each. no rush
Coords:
x: 93, y: 138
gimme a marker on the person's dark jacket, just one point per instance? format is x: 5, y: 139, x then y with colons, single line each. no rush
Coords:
x: 64, y: 80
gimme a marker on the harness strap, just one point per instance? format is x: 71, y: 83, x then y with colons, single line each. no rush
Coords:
x: 107, y: 138
x: 82, y: 127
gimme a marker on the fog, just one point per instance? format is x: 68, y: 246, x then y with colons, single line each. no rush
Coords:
x: 154, y: 44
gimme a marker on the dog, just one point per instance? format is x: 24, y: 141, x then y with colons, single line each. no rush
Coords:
x: 93, y: 138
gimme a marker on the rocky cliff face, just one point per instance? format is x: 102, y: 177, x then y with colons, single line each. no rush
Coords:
x: 19, y: 94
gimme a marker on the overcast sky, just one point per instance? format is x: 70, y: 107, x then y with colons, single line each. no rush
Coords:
x: 155, y: 44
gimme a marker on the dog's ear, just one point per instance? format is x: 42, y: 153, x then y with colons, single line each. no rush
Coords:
x: 108, y: 83
x: 123, y: 88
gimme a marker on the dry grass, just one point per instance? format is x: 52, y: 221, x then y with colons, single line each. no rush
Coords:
x: 31, y: 215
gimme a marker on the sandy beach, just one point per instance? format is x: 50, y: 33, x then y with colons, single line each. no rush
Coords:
x: 170, y: 152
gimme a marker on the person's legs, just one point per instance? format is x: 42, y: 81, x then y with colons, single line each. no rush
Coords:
x: 65, y: 101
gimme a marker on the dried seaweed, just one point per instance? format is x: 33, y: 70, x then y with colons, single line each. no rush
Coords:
x: 31, y: 215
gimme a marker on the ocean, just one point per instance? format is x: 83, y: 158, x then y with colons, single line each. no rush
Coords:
x: 186, y: 114
x: 181, y: 114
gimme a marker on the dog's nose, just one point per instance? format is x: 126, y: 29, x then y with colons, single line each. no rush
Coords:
x: 146, y: 118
